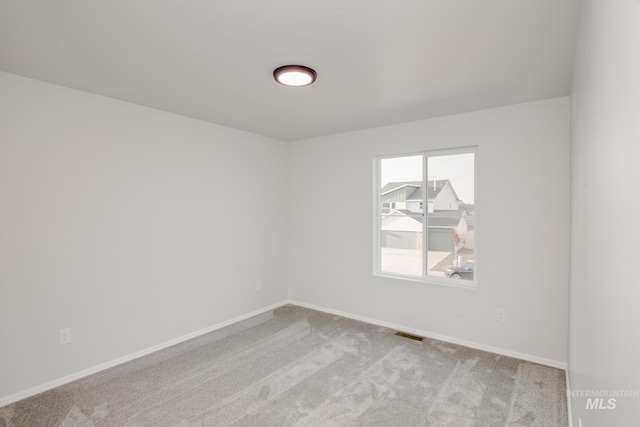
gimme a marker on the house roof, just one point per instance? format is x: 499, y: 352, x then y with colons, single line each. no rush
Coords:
x: 444, y: 219
x: 433, y: 188
x: 392, y: 186
x: 416, y: 196
x: 468, y: 208
x: 414, y: 215
x: 455, y: 214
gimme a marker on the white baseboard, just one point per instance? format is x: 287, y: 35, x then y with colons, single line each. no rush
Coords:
x: 427, y: 334
x: 569, y: 398
x: 76, y: 376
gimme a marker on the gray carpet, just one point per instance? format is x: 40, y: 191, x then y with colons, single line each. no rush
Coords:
x: 299, y: 367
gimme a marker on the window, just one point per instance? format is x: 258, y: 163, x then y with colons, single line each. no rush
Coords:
x: 425, y: 213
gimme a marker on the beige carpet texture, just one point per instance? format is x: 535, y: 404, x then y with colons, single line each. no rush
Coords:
x: 298, y: 367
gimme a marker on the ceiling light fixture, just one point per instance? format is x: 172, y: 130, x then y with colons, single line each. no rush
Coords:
x: 294, y: 75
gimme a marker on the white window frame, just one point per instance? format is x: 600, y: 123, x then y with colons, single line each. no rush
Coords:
x: 377, y: 211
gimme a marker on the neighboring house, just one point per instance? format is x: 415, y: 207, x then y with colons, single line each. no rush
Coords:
x: 439, y: 227
x: 401, y: 229
x: 469, y: 210
x: 408, y: 195
x: 401, y: 223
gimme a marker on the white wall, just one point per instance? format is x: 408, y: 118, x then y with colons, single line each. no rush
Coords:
x: 604, y: 349
x: 123, y: 223
x: 522, y: 169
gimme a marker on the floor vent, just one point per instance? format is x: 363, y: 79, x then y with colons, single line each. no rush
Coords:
x: 411, y: 337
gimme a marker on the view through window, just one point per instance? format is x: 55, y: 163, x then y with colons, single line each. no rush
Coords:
x: 427, y: 215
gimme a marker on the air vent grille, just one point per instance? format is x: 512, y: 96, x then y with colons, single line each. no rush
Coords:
x: 411, y: 337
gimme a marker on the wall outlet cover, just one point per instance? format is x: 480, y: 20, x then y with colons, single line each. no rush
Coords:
x: 64, y: 336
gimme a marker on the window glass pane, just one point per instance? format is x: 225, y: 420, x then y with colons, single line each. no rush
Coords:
x: 450, y: 216
x: 401, y: 215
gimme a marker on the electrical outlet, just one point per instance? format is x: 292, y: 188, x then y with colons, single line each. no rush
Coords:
x: 64, y: 336
x: 258, y: 285
x: 501, y: 315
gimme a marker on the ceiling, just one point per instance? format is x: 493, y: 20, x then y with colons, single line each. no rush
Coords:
x: 379, y: 62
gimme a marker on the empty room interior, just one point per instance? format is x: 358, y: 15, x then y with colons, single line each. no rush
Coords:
x: 437, y: 227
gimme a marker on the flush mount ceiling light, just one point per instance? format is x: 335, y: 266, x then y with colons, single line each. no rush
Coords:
x: 294, y: 75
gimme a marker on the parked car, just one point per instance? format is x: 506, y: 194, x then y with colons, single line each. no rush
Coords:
x: 465, y: 272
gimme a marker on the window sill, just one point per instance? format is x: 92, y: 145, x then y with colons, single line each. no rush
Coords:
x: 452, y: 283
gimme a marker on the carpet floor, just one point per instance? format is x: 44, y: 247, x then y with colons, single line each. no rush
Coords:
x: 299, y: 367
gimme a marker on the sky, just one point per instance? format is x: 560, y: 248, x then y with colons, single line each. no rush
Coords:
x: 458, y: 168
